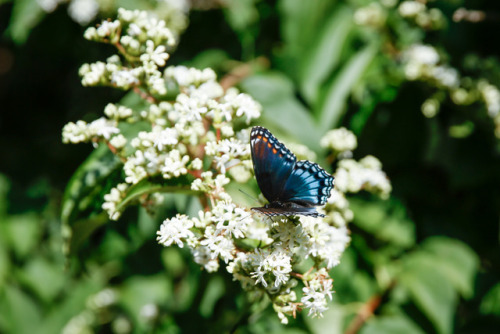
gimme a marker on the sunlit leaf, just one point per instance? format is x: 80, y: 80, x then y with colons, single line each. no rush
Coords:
x: 91, y: 175
x: 179, y: 185
x: 456, y: 261
x: 19, y: 313
x: 390, y: 324
x: 140, y: 291
x: 71, y: 305
x: 430, y: 290
x: 387, y: 220
x: 84, y: 194
x: 45, y: 278
x: 324, y: 56
x: 301, y: 22
x: 332, y: 321
x: 491, y: 301
x: 22, y: 232
x: 281, y: 108
x: 333, y: 107
x: 26, y: 14
x: 213, y: 292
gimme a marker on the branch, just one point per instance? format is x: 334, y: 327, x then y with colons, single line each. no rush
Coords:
x: 365, y: 312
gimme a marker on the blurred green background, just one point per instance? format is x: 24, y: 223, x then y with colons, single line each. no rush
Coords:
x: 428, y: 258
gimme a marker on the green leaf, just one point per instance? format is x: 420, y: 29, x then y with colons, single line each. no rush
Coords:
x: 72, y: 304
x: 23, y: 232
x: 80, y: 230
x: 491, y: 301
x: 26, y: 14
x: 43, y: 277
x: 179, y: 185
x: 241, y: 14
x: 4, y: 190
x: 213, y: 292
x: 457, y: 262
x: 84, y: 196
x: 19, y: 312
x: 430, y: 290
x: 390, y: 324
x: 213, y: 58
x: 281, y: 108
x: 301, y: 22
x: 138, y: 291
x: 324, y: 56
x: 5, y: 266
x: 332, y: 321
x: 91, y: 175
x: 334, y: 105
x: 387, y: 220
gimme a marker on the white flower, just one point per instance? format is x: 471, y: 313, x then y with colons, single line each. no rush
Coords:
x: 371, y: 15
x: 314, y: 301
x: 92, y: 74
x: 157, y: 84
x: 230, y: 220
x: 206, y: 91
x: 339, y: 140
x: 83, y: 11
x: 175, y: 164
x: 411, y: 8
x: 277, y: 263
x: 117, y: 112
x: 324, y: 241
x: 244, y: 105
x: 196, y: 164
x: 219, y: 245
x: 149, y: 311
x: 106, y: 28
x: 175, y: 230
x: 227, y: 152
x: 124, y: 78
x: 203, y: 256
x: 446, y: 76
x: 352, y: 176
x: 422, y: 54
x: 119, y: 141
x: 166, y: 137
x: 48, y: 5
x: 113, y: 199
x: 186, y: 77
x: 240, y: 173
x: 75, y: 132
x: 158, y: 55
x: 191, y: 108
x: 491, y: 97
x: 103, y: 127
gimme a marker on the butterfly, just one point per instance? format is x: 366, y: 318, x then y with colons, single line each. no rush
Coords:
x: 292, y: 187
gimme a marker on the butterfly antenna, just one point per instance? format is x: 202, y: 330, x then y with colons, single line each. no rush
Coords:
x: 244, y: 217
x: 250, y: 196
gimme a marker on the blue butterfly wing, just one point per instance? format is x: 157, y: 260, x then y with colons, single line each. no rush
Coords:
x: 308, y: 185
x: 273, y: 163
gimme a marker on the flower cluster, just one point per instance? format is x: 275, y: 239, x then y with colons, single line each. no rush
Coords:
x: 340, y: 141
x: 421, y: 15
x: 417, y: 12
x: 196, y: 141
x: 173, y: 12
x: 367, y: 174
x: 403, y: 25
x: 422, y: 62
